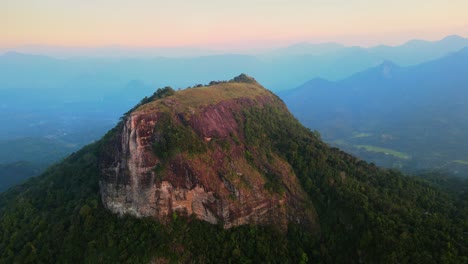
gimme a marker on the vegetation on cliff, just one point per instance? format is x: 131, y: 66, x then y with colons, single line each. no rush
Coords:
x: 366, y: 214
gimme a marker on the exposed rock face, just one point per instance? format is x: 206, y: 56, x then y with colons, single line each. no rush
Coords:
x: 217, y: 186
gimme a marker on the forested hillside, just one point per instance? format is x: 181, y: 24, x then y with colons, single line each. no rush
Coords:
x: 366, y: 214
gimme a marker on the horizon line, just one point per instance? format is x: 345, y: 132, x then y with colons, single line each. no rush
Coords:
x: 203, y: 48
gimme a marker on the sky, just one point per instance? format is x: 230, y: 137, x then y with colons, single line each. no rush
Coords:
x: 227, y: 24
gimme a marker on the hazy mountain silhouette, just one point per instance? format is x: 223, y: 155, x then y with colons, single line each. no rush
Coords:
x: 419, y: 110
x: 48, y: 93
x: 278, y: 69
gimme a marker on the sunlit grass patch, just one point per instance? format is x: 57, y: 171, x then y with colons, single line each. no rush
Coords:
x: 463, y: 162
x: 386, y: 151
x: 206, y: 95
x: 361, y: 135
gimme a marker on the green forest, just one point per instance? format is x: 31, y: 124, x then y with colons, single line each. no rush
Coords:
x: 366, y: 214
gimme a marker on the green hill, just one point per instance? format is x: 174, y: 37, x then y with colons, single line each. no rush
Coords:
x: 365, y: 214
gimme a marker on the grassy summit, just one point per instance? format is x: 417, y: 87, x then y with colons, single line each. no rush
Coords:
x: 207, y: 95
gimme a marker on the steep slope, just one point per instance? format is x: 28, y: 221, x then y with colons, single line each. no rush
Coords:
x: 363, y: 214
x: 188, y: 153
x: 393, y: 108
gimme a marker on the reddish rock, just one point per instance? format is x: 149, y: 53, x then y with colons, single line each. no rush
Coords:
x: 219, y: 185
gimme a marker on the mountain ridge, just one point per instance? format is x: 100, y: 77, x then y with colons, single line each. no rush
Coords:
x: 426, y: 99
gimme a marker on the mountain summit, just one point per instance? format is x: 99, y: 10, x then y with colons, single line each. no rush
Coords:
x: 191, y: 152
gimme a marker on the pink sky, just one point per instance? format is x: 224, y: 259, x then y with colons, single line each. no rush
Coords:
x: 229, y: 25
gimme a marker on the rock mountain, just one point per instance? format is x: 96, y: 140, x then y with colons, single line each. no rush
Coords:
x: 186, y: 153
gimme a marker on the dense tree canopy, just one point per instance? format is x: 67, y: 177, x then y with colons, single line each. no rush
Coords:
x: 366, y: 214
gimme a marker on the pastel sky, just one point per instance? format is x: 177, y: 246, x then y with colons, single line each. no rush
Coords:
x: 224, y: 24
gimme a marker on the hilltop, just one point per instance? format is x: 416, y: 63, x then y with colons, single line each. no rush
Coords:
x: 225, y: 172
x: 195, y: 152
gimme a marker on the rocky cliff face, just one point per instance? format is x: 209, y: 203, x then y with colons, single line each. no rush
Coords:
x: 187, y: 154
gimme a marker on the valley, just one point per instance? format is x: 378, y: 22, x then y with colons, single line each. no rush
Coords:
x: 409, y: 118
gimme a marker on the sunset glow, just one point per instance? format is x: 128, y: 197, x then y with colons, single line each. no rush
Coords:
x: 222, y: 24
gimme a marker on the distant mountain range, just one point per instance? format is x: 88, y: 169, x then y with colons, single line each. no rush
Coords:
x: 415, y: 117
x: 75, y: 100
x: 411, y: 52
x: 278, y: 69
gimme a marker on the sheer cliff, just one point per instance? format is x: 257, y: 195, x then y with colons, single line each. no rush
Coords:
x: 187, y: 153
